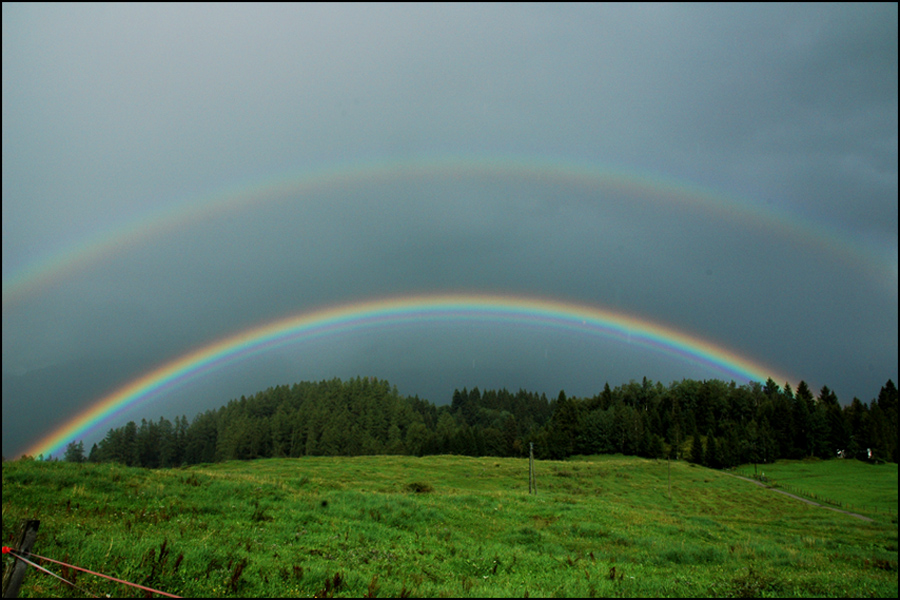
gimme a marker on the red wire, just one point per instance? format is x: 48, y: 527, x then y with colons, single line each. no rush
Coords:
x: 43, y: 570
x: 6, y: 550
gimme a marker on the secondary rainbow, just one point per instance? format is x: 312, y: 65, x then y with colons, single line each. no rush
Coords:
x: 20, y: 282
x: 305, y: 326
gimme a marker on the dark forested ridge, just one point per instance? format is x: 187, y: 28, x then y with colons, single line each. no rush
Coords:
x: 710, y: 422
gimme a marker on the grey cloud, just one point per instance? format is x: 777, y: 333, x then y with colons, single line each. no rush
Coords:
x: 115, y: 113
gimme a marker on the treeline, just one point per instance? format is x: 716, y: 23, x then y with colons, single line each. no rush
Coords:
x: 710, y: 422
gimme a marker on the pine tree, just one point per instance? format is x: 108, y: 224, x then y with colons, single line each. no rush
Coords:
x: 711, y: 457
x: 129, y: 445
x: 801, y: 443
x: 606, y: 397
x: 696, y: 447
x: 887, y: 402
x: 818, y: 433
x: 804, y: 393
x: 564, y: 427
x: 75, y: 452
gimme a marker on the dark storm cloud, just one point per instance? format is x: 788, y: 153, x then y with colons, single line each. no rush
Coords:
x: 114, y: 113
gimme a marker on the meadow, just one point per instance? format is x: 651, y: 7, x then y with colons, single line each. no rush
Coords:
x: 868, y: 489
x: 445, y: 526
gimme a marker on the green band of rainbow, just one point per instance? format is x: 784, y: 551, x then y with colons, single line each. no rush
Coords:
x: 21, y: 281
x: 516, y: 310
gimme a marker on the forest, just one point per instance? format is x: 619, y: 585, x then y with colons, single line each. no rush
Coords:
x: 710, y: 422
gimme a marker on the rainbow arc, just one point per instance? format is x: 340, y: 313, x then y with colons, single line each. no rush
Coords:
x: 303, y: 327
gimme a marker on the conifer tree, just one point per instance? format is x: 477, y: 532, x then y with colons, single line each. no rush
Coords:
x: 696, y: 447
x: 711, y: 457
x: 75, y: 452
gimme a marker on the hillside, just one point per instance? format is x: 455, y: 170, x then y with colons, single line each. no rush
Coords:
x: 441, y: 525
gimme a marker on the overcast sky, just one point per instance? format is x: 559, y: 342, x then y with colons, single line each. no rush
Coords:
x: 781, y: 118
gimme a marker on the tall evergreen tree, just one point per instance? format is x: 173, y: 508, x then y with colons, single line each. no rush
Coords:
x: 74, y: 452
x: 696, y: 447
x: 804, y: 393
x: 801, y: 445
x: 887, y: 403
x: 94, y: 456
x: 819, y: 445
x: 129, y: 450
x: 564, y: 427
x: 711, y: 456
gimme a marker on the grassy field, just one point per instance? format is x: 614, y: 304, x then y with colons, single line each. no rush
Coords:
x: 443, y: 526
x: 868, y: 489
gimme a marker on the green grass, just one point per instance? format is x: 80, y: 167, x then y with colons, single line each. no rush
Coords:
x: 441, y: 526
x: 869, y: 489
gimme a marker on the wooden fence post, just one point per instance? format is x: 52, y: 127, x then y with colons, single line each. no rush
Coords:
x: 12, y: 579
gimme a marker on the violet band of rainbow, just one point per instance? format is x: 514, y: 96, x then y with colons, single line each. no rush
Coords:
x: 391, y: 312
x: 878, y: 258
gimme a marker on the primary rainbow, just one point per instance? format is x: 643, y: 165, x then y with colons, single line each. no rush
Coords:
x: 19, y: 282
x: 516, y: 310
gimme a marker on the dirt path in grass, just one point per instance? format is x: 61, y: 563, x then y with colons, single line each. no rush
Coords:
x: 801, y: 498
